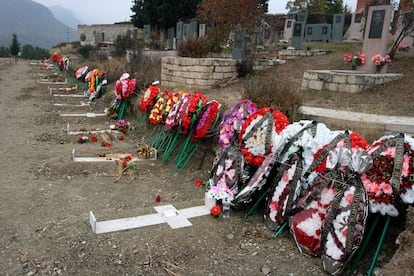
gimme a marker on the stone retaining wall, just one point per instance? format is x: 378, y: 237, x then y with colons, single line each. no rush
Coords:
x: 344, y: 80
x: 290, y: 53
x: 180, y: 73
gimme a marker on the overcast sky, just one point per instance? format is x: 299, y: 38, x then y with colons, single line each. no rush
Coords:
x: 110, y: 11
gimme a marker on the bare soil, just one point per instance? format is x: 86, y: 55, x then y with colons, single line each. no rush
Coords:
x: 46, y: 197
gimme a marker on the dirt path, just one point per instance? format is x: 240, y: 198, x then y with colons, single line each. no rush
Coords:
x: 45, y: 200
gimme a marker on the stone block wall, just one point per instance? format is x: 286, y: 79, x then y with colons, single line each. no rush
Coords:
x: 344, y: 81
x: 190, y: 74
x: 106, y: 33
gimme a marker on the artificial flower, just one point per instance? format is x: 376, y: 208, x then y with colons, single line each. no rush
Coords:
x: 158, y: 198
x: 149, y: 98
x: 122, y: 126
x: 380, y: 61
x: 207, y: 120
x: 195, y: 105
x: 199, y: 182
x: 233, y: 120
x: 215, y: 211
x: 259, y: 132
x: 357, y: 59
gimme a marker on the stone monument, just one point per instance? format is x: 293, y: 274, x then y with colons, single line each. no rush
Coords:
x: 239, y: 44
x: 376, y: 36
x: 338, y: 27
x: 288, y: 29
x: 298, y: 34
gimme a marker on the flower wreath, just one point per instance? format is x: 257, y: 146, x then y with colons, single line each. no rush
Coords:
x: 177, y: 111
x: 207, y: 121
x: 258, y: 133
x: 124, y: 87
x: 194, y: 108
x: 91, y: 78
x: 81, y: 73
x: 172, y: 99
x: 391, y: 175
x: 310, y: 213
x: 356, y: 140
x: 237, y: 113
x: 157, y: 111
x: 149, y: 98
x: 226, y: 172
x: 67, y: 64
x: 283, y: 192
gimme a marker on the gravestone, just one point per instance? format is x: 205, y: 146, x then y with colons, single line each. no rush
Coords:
x: 338, y: 27
x: 298, y: 35
x: 318, y: 32
x: 239, y: 44
x: 376, y: 35
x: 186, y: 28
x: 171, y: 35
x: 356, y: 29
x: 302, y: 17
x: 147, y: 32
x: 179, y: 34
x: 288, y: 30
x: 193, y: 29
x: 201, y: 30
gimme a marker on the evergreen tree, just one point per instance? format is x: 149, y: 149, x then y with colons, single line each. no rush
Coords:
x: 317, y: 6
x: 222, y: 16
x: 162, y: 13
x: 15, y: 48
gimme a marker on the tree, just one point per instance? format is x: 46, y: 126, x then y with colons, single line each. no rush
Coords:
x: 406, y: 28
x: 317, y: 6
x: 222, y: 16
x: 15, y: 48
x: 162, y: 13
x: 30, y: 52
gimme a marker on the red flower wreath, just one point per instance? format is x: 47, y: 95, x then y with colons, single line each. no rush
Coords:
x: 377, y: 181
x: 253, y: 135
x: 177, y: 111
x: 357, y: 142
x: 149, y: 98
x: 207, y: 120
x: 194, y: 107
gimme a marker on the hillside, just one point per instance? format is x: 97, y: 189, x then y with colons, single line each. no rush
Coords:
x: 33, y: 24
x: 65, y: 16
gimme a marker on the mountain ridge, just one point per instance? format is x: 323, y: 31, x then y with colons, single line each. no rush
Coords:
x: 33, y: 23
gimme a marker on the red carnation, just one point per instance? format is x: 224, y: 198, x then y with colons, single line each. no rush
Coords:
x: 199, y: 182
x: 215, y: 211
x: 158, y: 198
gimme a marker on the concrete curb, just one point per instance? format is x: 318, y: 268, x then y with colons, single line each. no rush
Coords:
x: 391, y: 123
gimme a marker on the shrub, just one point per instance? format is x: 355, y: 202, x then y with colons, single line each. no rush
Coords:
x: 193, y: 47
x: 266, y: 91
x: 85, y: 51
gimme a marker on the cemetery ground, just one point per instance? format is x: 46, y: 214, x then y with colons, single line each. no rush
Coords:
x: 46, y: 197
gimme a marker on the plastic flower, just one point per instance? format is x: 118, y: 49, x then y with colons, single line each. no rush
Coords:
x: 199, y: 182
x: 357, y: 59
x: 215, y: 211
x: 122, y: 126
x: 379, y: 60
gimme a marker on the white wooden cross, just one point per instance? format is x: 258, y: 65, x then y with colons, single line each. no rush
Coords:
x: 165, y: 214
